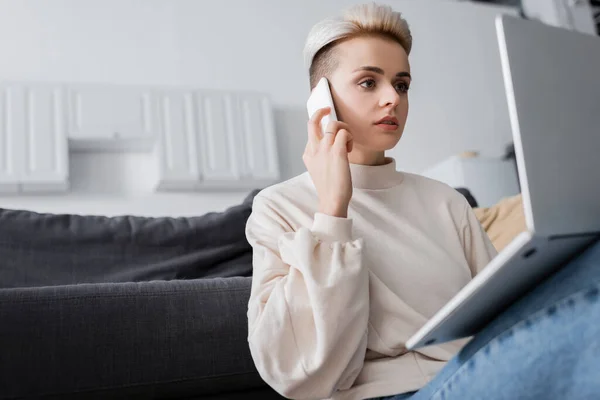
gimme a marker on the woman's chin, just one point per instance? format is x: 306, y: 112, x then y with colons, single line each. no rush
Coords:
x: 384, y: 140
x: 380, y: 143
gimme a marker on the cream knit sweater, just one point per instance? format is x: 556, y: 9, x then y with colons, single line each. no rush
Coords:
x: 334, y: 300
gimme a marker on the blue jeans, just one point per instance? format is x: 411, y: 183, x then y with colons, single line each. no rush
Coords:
x: 545, y: 346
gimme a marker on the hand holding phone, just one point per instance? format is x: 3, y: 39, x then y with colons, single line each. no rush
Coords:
x: 326, y: 153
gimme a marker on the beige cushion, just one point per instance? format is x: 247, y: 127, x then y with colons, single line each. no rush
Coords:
x: 503, y: 221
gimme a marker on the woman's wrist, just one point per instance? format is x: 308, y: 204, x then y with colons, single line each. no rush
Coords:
x: 334, y: 211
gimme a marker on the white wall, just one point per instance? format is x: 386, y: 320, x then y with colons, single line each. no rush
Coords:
x: 457, y: 97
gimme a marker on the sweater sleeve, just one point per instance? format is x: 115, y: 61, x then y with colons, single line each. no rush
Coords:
x: 478, y: 247
x: 309, y: 304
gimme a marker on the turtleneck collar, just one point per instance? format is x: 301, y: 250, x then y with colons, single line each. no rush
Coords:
x: 374, y: 177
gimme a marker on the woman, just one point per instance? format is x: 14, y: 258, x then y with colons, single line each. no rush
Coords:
x: 352, y: 257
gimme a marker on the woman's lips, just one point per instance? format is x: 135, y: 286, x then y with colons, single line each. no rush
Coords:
x: 387, y: 127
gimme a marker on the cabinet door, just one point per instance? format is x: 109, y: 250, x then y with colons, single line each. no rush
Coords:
x: 237, y: 147
x: 111, y: 117
x: 216, y: 115
x: 10, y: 145
x: 45, y: 146
x: 177, y: 145
x: 258, y: 138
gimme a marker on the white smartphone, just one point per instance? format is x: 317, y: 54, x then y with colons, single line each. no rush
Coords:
x: 320, y: 98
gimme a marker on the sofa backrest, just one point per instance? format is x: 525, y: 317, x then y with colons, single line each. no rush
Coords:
x: 39, y: 249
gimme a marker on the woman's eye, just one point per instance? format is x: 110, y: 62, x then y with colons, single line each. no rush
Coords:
x: 402, y: 87
x: 368, y: 84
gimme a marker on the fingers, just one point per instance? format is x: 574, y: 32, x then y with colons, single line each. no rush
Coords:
x: 328, y: 137
x: 343, y: 141
x: 314, y: 126
x: 331, y: 130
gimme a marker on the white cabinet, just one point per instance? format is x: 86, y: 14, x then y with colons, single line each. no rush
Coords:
x: 10, y: 167
x: 45, y: 150
x: 218, y: 128
x: 238, y: 148
x: 177, y: 145
x: 112, y: 117
x: 259, y: 149
x: 34, y: 148
x: 216, y: 140
x: 205, y: 140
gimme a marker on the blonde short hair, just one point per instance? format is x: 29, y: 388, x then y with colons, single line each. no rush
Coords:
x: 361, y: 20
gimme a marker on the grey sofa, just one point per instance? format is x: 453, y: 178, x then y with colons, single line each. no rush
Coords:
x: 126, y: 307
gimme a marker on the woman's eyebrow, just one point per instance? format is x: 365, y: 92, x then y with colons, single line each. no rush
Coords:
x: 379, y: 71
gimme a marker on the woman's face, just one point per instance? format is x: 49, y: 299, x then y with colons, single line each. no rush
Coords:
x: 369, y: 89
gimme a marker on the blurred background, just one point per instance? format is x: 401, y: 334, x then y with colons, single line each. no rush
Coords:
x: 180, y: 107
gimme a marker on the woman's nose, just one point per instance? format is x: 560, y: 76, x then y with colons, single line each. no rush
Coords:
x: 390, y: 97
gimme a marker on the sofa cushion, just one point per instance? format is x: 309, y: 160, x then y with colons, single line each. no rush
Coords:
x: 503, y: 221
x: 39, y: 249
x: 161, y: 339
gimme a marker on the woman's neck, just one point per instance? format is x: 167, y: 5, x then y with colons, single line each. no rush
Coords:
x: 363, y: 157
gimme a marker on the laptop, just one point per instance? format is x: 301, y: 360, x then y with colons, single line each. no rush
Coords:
x: 552, y: 82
